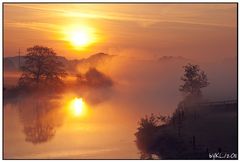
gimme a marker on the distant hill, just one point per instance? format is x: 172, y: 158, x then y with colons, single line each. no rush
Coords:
x: 12, y: 63
x: 172, y: 58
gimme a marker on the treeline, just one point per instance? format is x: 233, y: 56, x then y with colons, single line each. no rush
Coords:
x: 193, y: 131
x: 43, y: 72
x: 162, y: 136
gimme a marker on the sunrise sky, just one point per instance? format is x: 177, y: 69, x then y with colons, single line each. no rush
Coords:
x: 200, y: 31
x: 95, y: 111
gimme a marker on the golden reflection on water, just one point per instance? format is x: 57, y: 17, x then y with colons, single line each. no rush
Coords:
x: 78, y: 107
x: 68, y: 123
x: 74, y: 107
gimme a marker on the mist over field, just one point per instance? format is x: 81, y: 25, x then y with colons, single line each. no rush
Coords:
x: 141, y: 86
x: 144, y: 82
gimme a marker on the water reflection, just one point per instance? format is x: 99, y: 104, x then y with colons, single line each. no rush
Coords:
x: 38, y: 133
x: 78, y: 107
x: 40, y: 125
x: 40, y: 119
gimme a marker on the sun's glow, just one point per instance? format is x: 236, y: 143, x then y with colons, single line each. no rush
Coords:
x: 77, y: 106
x: 80, y: 36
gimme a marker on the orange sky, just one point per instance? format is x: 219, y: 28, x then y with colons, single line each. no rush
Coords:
x: 200, y: 31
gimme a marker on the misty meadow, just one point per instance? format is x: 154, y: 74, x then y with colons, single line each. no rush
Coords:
x: 120, y: 81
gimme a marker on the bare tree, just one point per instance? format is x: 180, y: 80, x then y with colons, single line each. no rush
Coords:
x: 194, y: 79
x: 41, y: 68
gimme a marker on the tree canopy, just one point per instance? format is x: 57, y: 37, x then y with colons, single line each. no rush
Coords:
x: 194, y: 79
x: 41, y: 68
x: 94, y: 78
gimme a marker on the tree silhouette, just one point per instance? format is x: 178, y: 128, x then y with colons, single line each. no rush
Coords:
x: 144, y: 135
x: 94, y: 78
x: 97, y: 79
x: 194, y: 79
x: 41, y: 68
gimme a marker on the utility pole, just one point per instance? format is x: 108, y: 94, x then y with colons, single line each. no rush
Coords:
x: 19, y: 52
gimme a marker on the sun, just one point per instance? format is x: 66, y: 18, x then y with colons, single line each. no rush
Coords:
x: 80, y: 36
